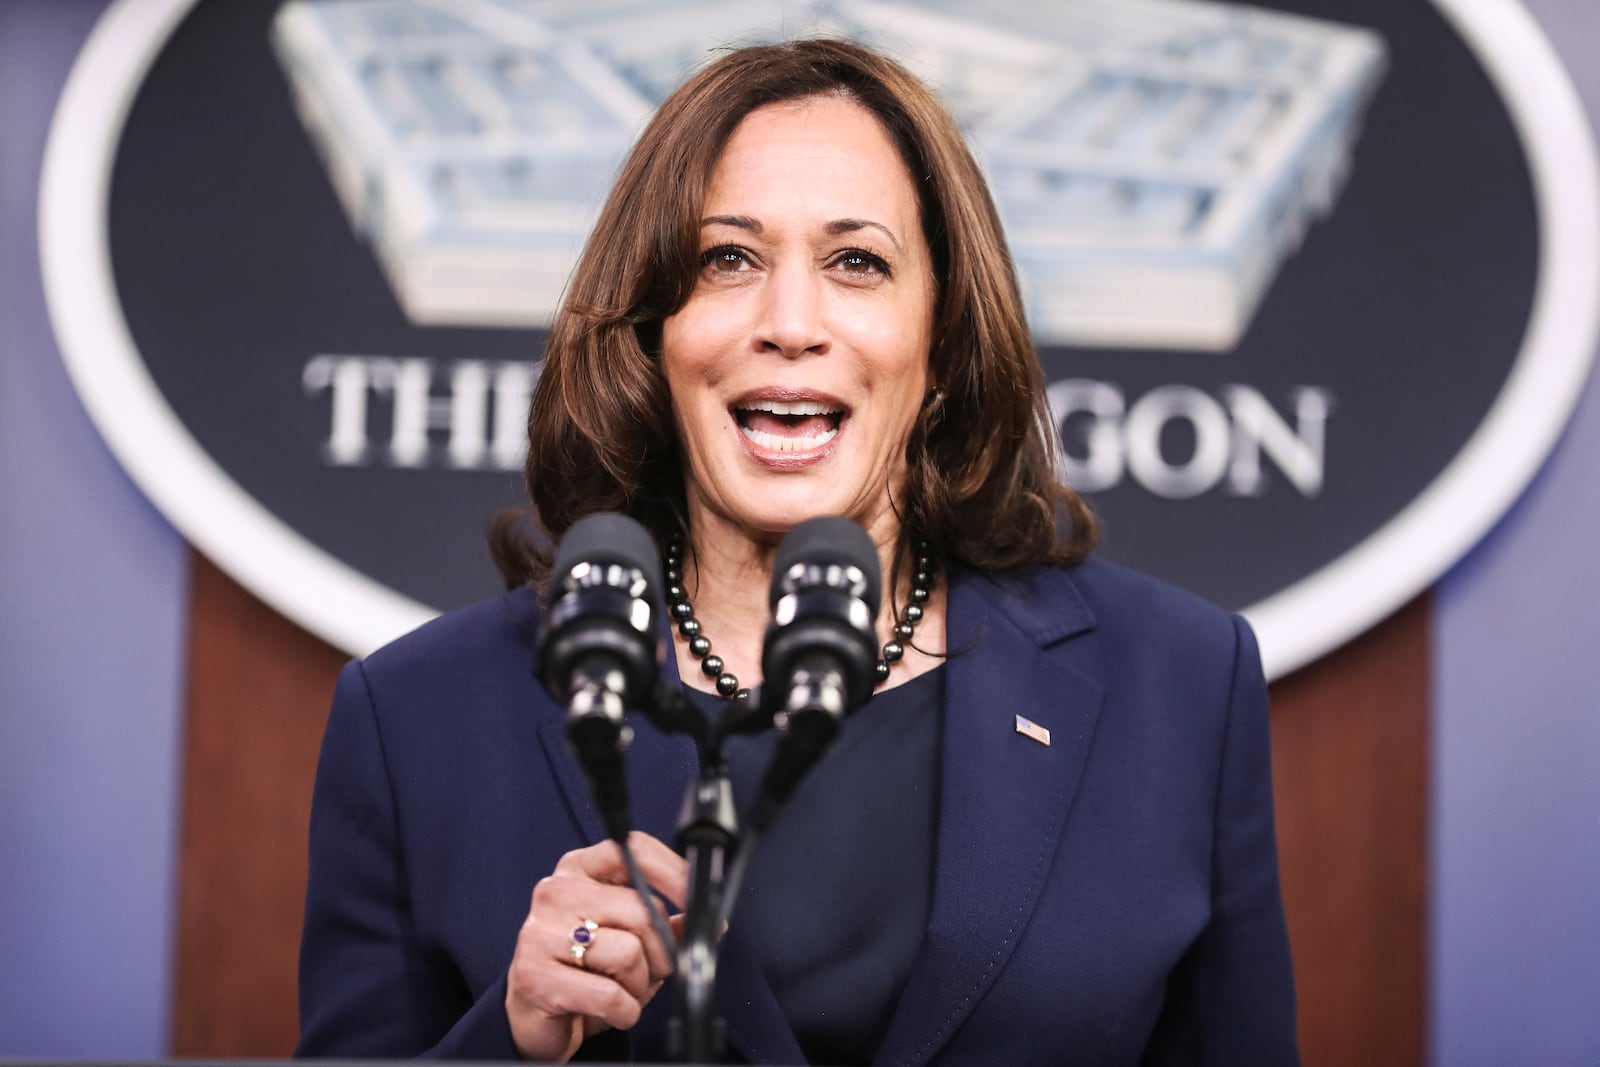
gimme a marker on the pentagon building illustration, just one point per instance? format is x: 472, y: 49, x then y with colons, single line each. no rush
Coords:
x: 1155, y: 161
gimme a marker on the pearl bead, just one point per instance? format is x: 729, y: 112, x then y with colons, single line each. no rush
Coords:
x: 711, y: 665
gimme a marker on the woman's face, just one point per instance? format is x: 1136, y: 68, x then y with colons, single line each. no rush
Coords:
x: 800, y: 361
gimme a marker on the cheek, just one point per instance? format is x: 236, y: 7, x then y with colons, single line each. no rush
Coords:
x: 688, y: 364
x: 690, y: 346
x: 902, y: 366
x: 899, y: 392
x: 902, y: 335
x: 674, y: 344
x: 695, y: 417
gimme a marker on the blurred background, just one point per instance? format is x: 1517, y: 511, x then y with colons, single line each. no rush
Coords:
x: 1435, y: 774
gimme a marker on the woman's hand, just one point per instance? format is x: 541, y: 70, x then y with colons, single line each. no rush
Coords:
x: 555, y: 1000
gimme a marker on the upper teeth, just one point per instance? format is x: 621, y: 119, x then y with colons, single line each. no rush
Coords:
x: 790, y: 407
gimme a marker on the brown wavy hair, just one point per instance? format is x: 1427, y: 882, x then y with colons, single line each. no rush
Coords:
x: 982, y: 487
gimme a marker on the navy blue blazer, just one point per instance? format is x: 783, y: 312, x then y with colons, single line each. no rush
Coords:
x: 1109, y: 899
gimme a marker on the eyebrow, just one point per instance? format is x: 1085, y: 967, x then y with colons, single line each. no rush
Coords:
x: 834, y: 228
x: 838, y: 226
x: 742, y: 222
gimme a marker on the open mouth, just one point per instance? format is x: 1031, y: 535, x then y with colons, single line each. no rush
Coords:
x: 788, y: 425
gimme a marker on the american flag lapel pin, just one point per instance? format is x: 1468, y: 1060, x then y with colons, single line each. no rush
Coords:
x: 1032, y: 730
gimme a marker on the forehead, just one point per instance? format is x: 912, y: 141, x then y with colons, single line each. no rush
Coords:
x: 826, y: 155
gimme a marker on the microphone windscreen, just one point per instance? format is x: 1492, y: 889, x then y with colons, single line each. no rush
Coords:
x: 831, y: 539
x: 606, y: 537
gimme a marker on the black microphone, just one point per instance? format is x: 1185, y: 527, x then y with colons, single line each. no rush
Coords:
x: 821, y: 649
x: 601, y: 647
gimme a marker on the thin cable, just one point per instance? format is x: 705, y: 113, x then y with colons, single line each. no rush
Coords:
x: 658, y: 921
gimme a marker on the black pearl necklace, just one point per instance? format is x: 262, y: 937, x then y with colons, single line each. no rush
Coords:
x: 711, y: 665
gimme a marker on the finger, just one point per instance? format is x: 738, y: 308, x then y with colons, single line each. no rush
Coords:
x: 552, y: 989
x: 562, y: 903
x: 611, y: 951
x: 664, y: 870
x: 600, y: 862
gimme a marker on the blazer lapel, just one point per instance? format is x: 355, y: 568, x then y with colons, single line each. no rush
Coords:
x: 659, y: 769
x: 1004, y: 796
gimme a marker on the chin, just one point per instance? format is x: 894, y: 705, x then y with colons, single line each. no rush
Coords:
x: 766, y: 503
x: 778, y: 515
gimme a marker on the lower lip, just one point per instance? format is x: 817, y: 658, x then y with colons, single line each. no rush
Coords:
x: 774, y: 459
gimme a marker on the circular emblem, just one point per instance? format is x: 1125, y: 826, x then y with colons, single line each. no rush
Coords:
x: 1314, y: 282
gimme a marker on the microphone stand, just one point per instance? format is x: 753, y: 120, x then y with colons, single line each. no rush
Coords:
x: 710, y: 839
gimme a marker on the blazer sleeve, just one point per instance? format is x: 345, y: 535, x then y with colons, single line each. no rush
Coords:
x: 1231, y: 999
x: 368, y: 988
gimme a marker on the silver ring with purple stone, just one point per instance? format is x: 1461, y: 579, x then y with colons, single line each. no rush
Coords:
x: 582, y: 938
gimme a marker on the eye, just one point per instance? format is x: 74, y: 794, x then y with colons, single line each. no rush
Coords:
x: 725, y: 259
x: 861, y: 262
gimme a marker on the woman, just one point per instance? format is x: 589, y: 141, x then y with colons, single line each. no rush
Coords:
x: 1048, y: 837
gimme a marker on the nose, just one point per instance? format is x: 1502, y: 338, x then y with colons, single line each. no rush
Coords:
x: 792, y: 319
